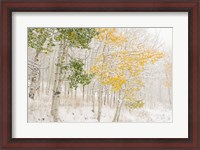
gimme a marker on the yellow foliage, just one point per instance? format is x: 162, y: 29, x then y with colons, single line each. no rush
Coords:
x: 110, y: 36
x: 121, y: 69
x: 117, y: 68
x: 135, y: 103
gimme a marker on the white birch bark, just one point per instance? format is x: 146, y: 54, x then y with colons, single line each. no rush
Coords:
x: 99, y: 104
x: 118, y: 110
x: 34, y: 85
x: 62, y: 57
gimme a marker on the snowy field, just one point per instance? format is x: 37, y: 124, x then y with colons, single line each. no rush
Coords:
x: 71, y: 110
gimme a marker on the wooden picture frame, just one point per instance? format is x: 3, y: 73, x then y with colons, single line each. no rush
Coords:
x: 9, y: 6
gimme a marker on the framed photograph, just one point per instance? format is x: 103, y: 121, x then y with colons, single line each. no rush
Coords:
x: 100, y: 74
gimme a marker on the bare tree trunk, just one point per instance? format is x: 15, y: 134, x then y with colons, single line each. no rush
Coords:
x: 101, y: 91
x: 68, y: 91
x: 34, y: 86
x: 75, y: 93
x: 118, y: 111
x: 93, y: 102
x: 169, y: 94
x: 55, y: 103
x: 71, y: 93
x: 93, y: 98
x: 160, y: 92
x: 87, y: 92
x: 83, y: 93
x: 65, y: 89
x: 120, y: 108
x: 58, y: 81
x: 114, y: 99
x: 168, y: 88
x: 51, y: 74
x: 111, y: 99
x: 42, y: 79
x: 99, y: 104
x: 104, y: 99
x: 107, y: 97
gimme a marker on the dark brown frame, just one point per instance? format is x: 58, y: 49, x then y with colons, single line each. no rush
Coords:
x: 9, y: 6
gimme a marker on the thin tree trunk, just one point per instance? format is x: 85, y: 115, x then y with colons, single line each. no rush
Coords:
x: 83, y: 93
x: 120, y: 108
x: 68, y: 91
x: 65, y: 89
x: 160, y: 92
x: 104, y: 99
x: 169, y: 94
x: 35, y: 78
x: 111, y: 99
x: 58, y: 82
x: 93, y: 98
x: 42, y: 78
x: 51, y: 74
x: 99, y: 104
x: 88, y: 93
x: 101, y: 90
x: 168, y: 89
x: 114, y: 99
x: 107, y: 95
x: 118, y: 111
x: 71, y: 93
x: 54, y: 107
x: 75, y: 93
x: 93, y: 102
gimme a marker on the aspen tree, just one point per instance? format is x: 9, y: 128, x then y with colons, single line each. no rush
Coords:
x: 67, y: 38
x: 121, y: 70
x: 41, y: 40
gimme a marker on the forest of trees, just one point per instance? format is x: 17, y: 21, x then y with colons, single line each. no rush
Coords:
x: 98, y: 75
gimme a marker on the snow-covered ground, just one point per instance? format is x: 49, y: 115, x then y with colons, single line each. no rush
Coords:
x: 72, y: 110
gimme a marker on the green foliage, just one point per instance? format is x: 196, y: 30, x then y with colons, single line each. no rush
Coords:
x: 77, y: 73
x: 76, y: 37
x: 40, y: 39
x: 73, y: 81
x: 76, y: 65
x: 75, y: 68
x: 86, y: 79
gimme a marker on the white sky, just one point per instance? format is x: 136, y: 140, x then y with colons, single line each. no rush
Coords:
x: 165, y: 35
